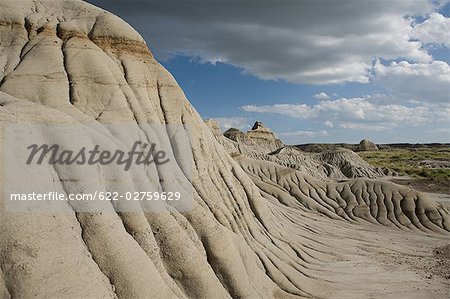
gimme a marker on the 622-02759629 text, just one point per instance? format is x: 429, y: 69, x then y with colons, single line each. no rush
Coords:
x: 103, y: 196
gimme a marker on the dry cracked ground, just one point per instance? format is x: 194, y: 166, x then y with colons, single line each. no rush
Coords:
x: 258, y: 227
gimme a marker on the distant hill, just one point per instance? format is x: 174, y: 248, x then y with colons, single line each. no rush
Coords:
x: 320, y: 147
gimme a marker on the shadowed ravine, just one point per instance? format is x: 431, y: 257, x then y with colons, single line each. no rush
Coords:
x: 256, y: 229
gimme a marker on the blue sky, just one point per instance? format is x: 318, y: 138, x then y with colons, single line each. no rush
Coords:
x: 313, y: 71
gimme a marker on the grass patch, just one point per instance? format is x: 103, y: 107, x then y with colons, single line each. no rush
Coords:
x: 406, y: 161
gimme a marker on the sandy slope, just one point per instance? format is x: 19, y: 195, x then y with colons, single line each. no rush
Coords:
x: 256, y: 229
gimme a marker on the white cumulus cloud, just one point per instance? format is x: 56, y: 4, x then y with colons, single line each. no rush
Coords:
x: 434, y: 30
x: 420, y: 82
x: 358, y: 113
x: 305, y: 134
x: 328, y: 124
x: 226, y: 123
x: 310, y: 42
x: 321, y: 96
x: 365, y: 127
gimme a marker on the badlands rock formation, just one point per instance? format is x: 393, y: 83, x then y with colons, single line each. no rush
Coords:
x: 262, y: 144
x: 256, y: 229
x: 237, y: 135
x: 367, y: 145
x: 263, y: 135
x: 258, y: 137
x: 213, y: 126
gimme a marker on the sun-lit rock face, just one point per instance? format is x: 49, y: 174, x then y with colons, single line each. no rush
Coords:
x: 349, y: 164
x: 256, y: 229
x: 213, y: 126
x: 261, y: 143
x: 259, y: 137
x: 367, y: 145
x: 237, y: 135
x: 262, y: 135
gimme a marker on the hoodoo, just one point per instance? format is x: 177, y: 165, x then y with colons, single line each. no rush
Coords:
x: 260, y: 134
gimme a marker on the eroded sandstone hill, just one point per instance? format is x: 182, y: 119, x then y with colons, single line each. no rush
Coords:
x: 256, y: 229
x: 261, y: 143
x: 258, y: 137
x: 367, y: 145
